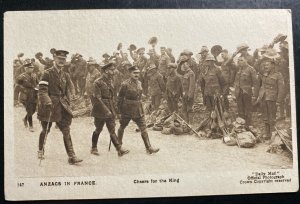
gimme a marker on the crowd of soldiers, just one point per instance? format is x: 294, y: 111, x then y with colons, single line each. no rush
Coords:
x: 116, y: 87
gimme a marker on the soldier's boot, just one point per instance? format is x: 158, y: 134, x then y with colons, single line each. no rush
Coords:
x: 267, y: 135
x: 94, y: 149
x: 41, y: 154
x: 281, y: 111
x: 70, y: 151
x: 121, y: 151
x: 120, y: 135
x: 30, y: 123
x: 149, y: 148
x: 25, y: 121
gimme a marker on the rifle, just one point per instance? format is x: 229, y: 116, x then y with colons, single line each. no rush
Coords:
x: 180, y: 118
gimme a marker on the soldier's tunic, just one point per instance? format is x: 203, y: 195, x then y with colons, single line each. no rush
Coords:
x: 156, y: 88
x: 18, y: 70
x: 104, y: 110
x: 245, y: 80
x: 212, y: 83
x: 188, y: 86
x: 228, y: 71
x: 56, y: 88
x: 91, y: 78
x: 164, y: 60
x: 174, y: 91
x: 270, y: 92
x: 78, y: 74
x: 28, y: 84
x: 141, y: 62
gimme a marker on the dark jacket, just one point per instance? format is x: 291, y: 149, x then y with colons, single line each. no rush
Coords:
x: 79, y: 68
x: 28, y: 85
x: 103, y: 103
x: 55, y: 88
x: 91, y: 78
x: 174, y: 86
x: 188, y: 84
x: 245, y: 79
x: 156, y: 84
x: 129, y: 99
x: 212, y: 81
x: 272, y: 87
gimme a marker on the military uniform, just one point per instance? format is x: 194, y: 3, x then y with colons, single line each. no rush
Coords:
x: 188, y: 86
x: 174, y: 91
x: 131, y: 108
x: 104, y: 112
x: 245, y: 79
x: 212, y: 83
x: 164, y: 60
x: 91, y: 78
x: 271, y: 91
x: 156, y: 87
x: 55, y: 89
x: 28, y: 84
x: 228, y: 71
x: 78, y: 74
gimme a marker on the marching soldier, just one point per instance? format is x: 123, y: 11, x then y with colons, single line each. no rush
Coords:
x: 245, y: 80
x: 28, y: 82
x: 130, y: 108
x: 55, y: 90
x: 212, y: 82
x: 271, y: 92
x: 188, y: 84
x: 157, y: 85
x: 173, y: 88
x: 93, y: 74
x: 104, y: 109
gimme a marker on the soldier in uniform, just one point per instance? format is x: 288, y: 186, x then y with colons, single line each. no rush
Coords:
x: 131, y: 108
x: 271, y: 92
x: 55, y: 91
x: 18, y: 70
x: 164, y: 60
x: 228, y: 70
x: 188, y: 84
x: 93, y: 74
x: 79, y: 73
x: 174, y: 88
x: 243, y: 49
x: 245, y: 80
x: 106, y: 58
x: 212, y: 82
x: 157, y: 86
x: 203, y: 54
x: 28, y: 82
x: 47, y: 62
x: 169, y: 53
x: 104, y: 111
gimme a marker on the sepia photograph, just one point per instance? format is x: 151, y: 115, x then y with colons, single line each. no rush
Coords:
x: 129, y: 103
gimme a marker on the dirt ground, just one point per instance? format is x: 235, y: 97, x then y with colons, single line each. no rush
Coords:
x: 178, y: 154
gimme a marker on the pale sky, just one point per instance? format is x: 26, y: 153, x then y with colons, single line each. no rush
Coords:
x: 94, y: 32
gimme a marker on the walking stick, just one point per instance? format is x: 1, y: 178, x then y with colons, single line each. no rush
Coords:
x: 48, y: 124
x: 109, y: 145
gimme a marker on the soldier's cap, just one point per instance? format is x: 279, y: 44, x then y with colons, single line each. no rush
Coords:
x: 280, y: 37
x: 28, y: 63
x: 61, y: 54
x: 241, y: 47
x: 132, y: 47
x: 186, y: 52
x: 271, y: 54
x: 152, y: 40
x: 141, y: 50
x: 162, y: 48
x: 204, y: 49
x: 172, y: 65
x: 52, y: 51
x: 107, y: 66
x: 210, y: 58
x: 133, y: 69
x: 20, y: 54
x: 105, y: 55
